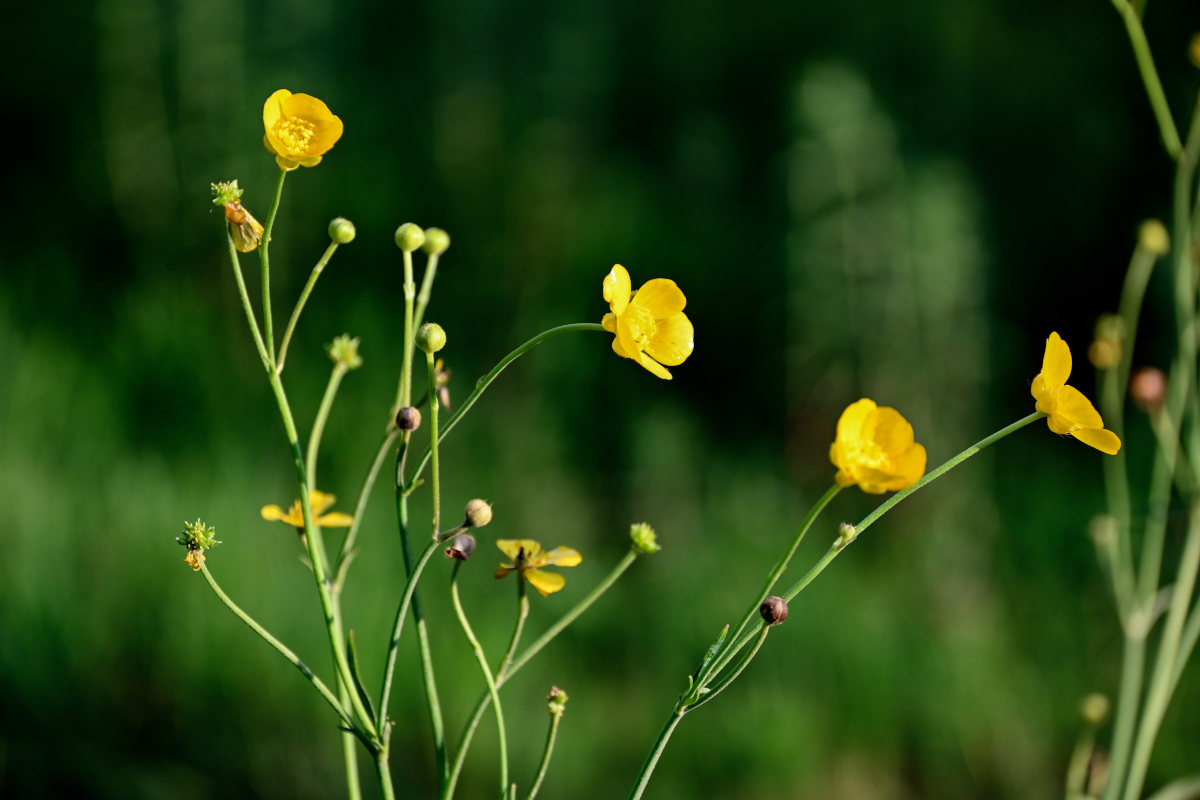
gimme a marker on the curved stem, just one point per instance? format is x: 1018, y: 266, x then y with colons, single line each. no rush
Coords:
x: 318, y: 429
x: 1145, y: 62
x: 487, y: 677
x: 308, y: 287
x: 251, y: 321
x: 398, y: 626
x: 344, y: 556
x: 656, y: 752
x: 264, y: 257
x: 725, y: 682
x: 547, y: 750
x: 404, y: 387
x: 433, y: 450
x: 283, y: 650
x: 431, y: 266
x: 522, y: 614
x: 483, y: 383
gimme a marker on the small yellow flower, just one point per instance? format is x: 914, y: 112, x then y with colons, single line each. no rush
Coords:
x: 299, y: 129
x: 650, y: 325
x: 320, y: 502
x: 527, y: 558
x: 1067, y: 410
x: 875, y: 449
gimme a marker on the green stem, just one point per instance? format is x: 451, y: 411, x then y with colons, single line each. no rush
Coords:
x: 487, y: 677
x: 1077, y: 767
x: 385, y: 776
x: 398, y: 626
x: 1182, y: 789
x: 404, y: 387
x: 246, y: 306
x: 346, y: 553
x: 264, y: 257
x: 283, y: 650
x: 726, y: 681
x: 1133, y: 667
x: 349, y: 748
x: 318, y: 429
x: 316, y: 552
x: 656, y: 752
x: 776, y: 572
x: 431, y: 266
x: 483, y: 383
x: 433, y: 449
x: 1187, y: 643
x: 547, y: 750
x: 506, y: 672
x: 308, y: 287
x: 522, y: 614
x: 1145, y: 62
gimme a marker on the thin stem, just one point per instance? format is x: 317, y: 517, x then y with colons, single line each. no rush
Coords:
x: 251, y: 321
x: 547, y: 751
x: 1187, y: 643
x: 349, y: 749
x: 308, y: 287
x: 318, y: 429
x: 483, y: 383
x: 1077, y: 767
x: 1182, y: 789
x: 728, y: 680
x: 316, y: 552
x: 656, y: 752
x: 1133, y: 667
x: 1145, y: 62
x: 385, y: 776
x: 522, y: 614
x: 404, y: 387
x: 283, y: 650
x: 398, y: 626
x: 431, y: 266
x: 433, y: 449
x: 776, y: 572
x: 487, y: 677
x: 344, y: 556
x: 264, y: 257
x: 506, y: 672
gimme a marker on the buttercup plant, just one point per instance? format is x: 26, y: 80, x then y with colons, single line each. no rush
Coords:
x: 873, y: 447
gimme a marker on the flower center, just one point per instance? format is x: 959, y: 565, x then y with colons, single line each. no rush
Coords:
x: 295, y: 133
x: 641, y: 324
x: 867, y: 453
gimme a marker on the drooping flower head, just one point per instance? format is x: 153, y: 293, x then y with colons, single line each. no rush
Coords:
x: 320, y: 503
x: 197, y: 537
x: 527, y: 559
x: 875, y: 449
x: 1067, y: 410
x: 650, y: 325
x: 299, y: 129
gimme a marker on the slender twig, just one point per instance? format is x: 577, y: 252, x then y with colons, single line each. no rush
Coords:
x: 1145, y: 62
x: 547, y: 751
x: 318, y: 429
x: 299, y: 307
x: 264, y: 257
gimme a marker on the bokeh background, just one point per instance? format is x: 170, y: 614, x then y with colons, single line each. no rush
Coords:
x: 859, y: 198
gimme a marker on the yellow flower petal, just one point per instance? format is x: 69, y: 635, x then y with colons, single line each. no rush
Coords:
x: 909, y: 466
x: 545, y: 582
x: 617, y: 289
x: 335, y: 520
x: 634, y: 329
x: 561, y: 557
x: 519, y: 548
x: 1103, y: 440
x: 890, y: 431
x: 609, y: 322
x: 1056, y: 362
x: 652, y: 365
x: 503, y: 570
x: 319, y: 501
x: 616, y: 346
x: 672, y: 343
x: 661, y: 297
x: 852, y: 419
x: 272, y: 512
x: 1075, y: 408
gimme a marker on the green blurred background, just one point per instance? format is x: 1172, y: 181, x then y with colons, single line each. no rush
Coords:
x: 893, y: 200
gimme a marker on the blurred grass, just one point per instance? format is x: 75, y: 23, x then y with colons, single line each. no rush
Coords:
x: 858, y: 200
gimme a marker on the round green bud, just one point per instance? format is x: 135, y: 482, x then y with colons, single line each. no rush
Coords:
x: 479, y: 513
x: 437, y: 241
x: 643, y: 538
x: 341, y: 230
x: 430, y: 337
x: 1094, y: 709
x: 1153, y: 236
x: 409, y: 237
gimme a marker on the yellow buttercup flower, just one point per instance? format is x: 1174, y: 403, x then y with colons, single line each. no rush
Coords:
x: 527, y: 559
x: 875, y: 449
x: 1067, y: 410
x: 299, y: 129
x: 650, y: 325
x: 320, y: 503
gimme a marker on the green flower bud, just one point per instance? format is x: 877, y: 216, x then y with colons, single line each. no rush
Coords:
x: 196, y: 537
x: 430, y: 337
x: 225, y: 192
x: 479, y: 513
x: 1094, y: 709
x: 344, y: 350
x: 409, y: 237
x: 556, y: 701
x: 437, y: 241
x: 1153, y: 237
x: 847, y: 533
x: 341, y: 230
x: 644, y: 539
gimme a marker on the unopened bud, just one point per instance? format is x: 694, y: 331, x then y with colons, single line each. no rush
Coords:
x: 408, y: 419
x: 1094, y: 709
x: 774, y: 610
x: 1105, y: 351
x: 556, y: 701
x: 1148, y: 389
x: 430, y: 337
x: 1194, y: 49
x: 409, y: 237
x: 341, y: 231
x: 643, y: 538
x: 479, y: 513
x: 344, y: 350
x: 437, y: 241
x: 1153, y: 238
x: 461, y: 547
x: 847, y: 533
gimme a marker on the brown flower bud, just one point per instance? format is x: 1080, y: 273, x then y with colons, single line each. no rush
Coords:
x: 479, y: 513
x: 1148, y: 388
x: 461, y: 547
x: 774, y: 610
x: 408, y: 419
